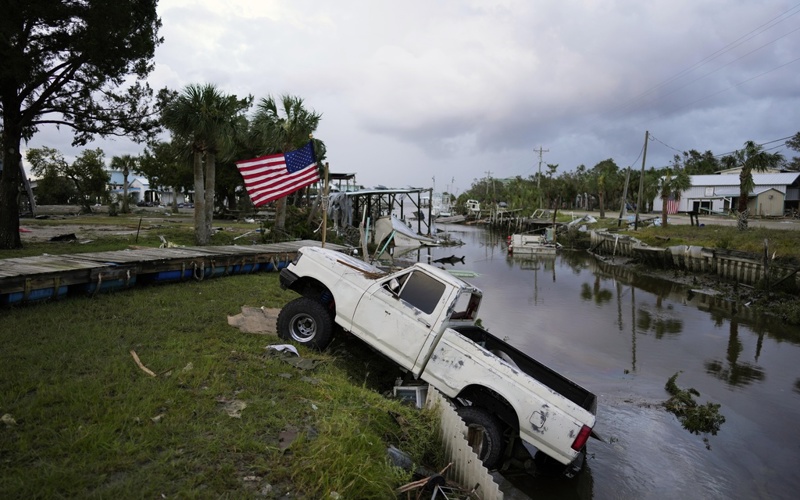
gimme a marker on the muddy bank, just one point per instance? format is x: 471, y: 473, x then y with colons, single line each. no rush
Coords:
x: 776, y: 303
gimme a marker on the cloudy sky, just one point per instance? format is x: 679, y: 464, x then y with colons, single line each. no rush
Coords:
x: 455, y: 90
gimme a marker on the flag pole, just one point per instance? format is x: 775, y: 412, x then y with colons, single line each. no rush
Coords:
x: 325, y: 207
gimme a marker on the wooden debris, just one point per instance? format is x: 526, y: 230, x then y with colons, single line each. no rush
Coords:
x: 421, y: 483
x: 140, y: 365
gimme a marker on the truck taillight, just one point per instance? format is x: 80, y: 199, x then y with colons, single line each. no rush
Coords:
x: 583, y: 436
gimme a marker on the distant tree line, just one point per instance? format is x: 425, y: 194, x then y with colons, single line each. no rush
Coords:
x: 602, y: 187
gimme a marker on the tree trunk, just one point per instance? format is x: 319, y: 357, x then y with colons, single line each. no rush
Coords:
x: 200, y: 234
x: 175, y: 199
x: 280, y: 213
x: 210, y: 181
x: 741, y: 220
x: 602, y: 207
x: 86, y: 202
x: 664, y: 212
x: 9, y: 185
x: 125, y: 208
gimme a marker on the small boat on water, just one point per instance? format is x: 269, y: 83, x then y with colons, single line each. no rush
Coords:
x: 403, y: 236
x: 533, y: 243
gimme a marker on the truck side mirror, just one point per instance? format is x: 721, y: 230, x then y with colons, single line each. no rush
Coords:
x: 394, y: 286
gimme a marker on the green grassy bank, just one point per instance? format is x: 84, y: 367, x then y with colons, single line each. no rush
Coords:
x: 83, y: 420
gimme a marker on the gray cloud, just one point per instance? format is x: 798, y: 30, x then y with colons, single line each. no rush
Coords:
x: 415, y: 89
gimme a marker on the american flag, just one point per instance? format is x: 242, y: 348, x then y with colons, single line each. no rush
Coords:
x: 672, y: 205
x: 269, y: 178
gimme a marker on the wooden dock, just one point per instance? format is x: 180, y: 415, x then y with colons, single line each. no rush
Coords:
x: 29, y: 279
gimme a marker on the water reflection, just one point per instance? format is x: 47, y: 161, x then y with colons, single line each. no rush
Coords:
x: 735, y: 373
x: 525, y: 486
x: 596, y: 293
x: 622, y: 335
x: 648, y: 321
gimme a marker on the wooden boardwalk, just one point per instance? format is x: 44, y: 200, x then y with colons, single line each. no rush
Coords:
x: 29, y: 279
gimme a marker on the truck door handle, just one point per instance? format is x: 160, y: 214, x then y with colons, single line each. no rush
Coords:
x: 424, y: 322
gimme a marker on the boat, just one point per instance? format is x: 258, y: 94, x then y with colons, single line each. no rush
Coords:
x: 391, y: 229
x: 473, y: 208
x: 533, y: 243
x: 440, y: 205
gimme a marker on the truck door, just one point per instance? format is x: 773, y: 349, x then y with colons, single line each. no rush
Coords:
x: 396, y: 315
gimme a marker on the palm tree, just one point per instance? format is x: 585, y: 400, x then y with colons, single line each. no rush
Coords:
x: 126, y: 163
x: 279, y: 130
x: 604, y: 177
x: 750, y: 158
x: 672, y: 183
x: 208, y: 118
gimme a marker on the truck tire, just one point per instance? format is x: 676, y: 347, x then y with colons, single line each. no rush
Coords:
x: 306, y: 322
x: 490, y: 450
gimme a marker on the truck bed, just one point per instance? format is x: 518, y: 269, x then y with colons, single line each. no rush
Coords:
x: 535, y: 369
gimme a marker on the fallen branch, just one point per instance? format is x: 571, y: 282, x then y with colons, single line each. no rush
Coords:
x: 140, y: 365
x: 422, y: 482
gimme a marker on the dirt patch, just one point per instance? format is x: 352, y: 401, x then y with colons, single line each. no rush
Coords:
x: 256, y: 320
x: 59, y: 220
x: 37, y: 233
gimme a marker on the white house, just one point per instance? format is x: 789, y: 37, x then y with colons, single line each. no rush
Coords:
x: 137, y: 186
x: 139, y: 189
x: 774, y: 194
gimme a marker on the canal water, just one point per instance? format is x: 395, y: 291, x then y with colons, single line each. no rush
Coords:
x: 623, y: 336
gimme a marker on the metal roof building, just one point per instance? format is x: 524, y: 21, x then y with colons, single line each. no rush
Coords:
x: 773, y: 195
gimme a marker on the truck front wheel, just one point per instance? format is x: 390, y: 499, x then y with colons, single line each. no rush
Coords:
x: 307, y: 322
x: 490, y: 447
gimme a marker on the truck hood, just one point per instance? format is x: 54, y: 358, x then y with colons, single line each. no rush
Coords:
x: 338, y: 257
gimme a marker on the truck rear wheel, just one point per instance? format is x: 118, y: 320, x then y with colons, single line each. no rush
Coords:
x: 306, y: 322
x: 490, y: 447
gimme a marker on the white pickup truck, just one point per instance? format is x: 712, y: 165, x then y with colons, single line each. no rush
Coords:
x: 423, y: 319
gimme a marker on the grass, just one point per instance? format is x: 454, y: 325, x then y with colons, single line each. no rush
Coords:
x: 87, y: 422
x: 785, y: 244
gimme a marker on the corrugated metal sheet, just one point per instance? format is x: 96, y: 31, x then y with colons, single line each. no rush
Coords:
x: 779, y: 179
x: 467, y: 469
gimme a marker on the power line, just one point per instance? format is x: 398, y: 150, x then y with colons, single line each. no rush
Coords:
x: 637, y: 157
x: 739, y: 84
x: 726, y: 64
x: 762, y: 144
x: 651, y: 137
x: 654, y: 138
x: 730, y: 46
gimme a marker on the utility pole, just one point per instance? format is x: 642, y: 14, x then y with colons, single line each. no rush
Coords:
x: 641, y: 182
x: 624, y: 209
x: 539, y: 177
